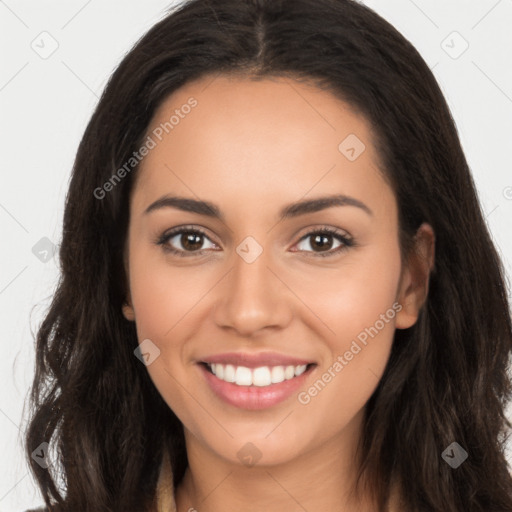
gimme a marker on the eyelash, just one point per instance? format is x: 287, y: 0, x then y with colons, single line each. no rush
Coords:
x: 163, y: 239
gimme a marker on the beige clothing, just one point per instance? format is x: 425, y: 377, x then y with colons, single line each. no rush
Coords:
x: 165, y: 489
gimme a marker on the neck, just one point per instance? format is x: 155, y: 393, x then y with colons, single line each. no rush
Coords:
x: 321, y: 479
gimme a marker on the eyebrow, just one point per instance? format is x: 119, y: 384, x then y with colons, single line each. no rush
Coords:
x: 289, y: 211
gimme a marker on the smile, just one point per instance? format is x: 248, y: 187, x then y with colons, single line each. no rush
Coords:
x: 257, y: 387
x: 262, y: 376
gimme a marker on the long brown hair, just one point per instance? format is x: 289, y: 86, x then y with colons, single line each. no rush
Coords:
x: 446, y: 380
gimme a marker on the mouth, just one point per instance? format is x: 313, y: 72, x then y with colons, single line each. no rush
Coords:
x: 261, y: 376
x: 246, y: 383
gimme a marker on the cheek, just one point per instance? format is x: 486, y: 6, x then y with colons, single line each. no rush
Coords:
x: 352, y: 297
x: 161, y: 303
x: 163, y: 294
x: 167, y: 300
x: 358, y: 307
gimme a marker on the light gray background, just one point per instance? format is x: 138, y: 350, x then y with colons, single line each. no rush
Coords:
x: 45, y: 104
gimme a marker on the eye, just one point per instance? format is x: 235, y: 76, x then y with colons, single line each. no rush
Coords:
x: 322, y: 239
x: 187, y: 240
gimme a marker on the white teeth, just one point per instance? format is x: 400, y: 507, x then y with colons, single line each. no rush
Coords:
x: 277, y: 374
x: 229, y: 373
x: 299, y: 370
x: 243, y: 376
x: 261, y: 376
x: 289, y: 372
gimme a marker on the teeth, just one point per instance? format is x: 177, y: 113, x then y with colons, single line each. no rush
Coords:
x: 243, y: 376
x: 261, y: 376
x: 277, y: 374
x: 229, y: 373
x: 289, y: 372
x: 299, y: 370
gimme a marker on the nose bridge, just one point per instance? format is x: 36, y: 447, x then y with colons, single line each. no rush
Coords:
x: 252, y: 298
x: 251, y: 275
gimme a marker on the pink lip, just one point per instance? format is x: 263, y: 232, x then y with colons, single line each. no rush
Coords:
x: 254, y: 397
x: 255, y: 360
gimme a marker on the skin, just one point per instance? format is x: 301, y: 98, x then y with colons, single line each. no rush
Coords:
x: 252, y: 147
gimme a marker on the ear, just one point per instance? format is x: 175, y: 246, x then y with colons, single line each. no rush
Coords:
x: 128, y: 311
x: 414, y: 282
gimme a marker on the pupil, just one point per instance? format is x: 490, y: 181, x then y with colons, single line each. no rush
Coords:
x: 319, y: 240
x: 192, y: 241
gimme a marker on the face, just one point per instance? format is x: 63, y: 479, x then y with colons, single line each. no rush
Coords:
x: 294, y: 299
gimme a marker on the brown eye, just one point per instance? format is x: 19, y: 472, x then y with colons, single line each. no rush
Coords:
x: 321, y: 242
x: 191, y: 241
x: 182, y: 241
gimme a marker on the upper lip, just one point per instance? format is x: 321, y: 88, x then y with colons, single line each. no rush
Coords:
x: 255, y: 360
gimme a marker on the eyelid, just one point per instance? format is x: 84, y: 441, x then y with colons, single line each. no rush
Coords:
x: 322, y: 228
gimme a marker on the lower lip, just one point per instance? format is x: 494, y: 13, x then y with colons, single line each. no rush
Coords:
x: 254, y: 397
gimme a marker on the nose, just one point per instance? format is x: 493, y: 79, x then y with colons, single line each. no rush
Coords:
x: 253, y: 297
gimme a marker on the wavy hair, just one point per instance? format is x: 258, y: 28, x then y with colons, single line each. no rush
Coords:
x: 446, y: 379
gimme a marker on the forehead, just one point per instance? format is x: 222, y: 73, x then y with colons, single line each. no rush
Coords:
x: 264, y: 139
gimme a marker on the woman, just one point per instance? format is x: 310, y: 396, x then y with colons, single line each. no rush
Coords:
x: 278, y: 290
